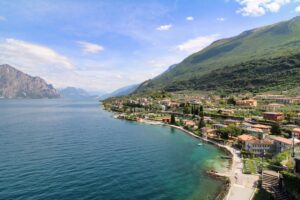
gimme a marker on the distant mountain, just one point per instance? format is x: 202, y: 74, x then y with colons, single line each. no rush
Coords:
x: 121, y: 91
x: 260, y: 59
x: 16, y: 84
x: 75, y: 93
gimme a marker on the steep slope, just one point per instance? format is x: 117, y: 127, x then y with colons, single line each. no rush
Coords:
x: 269, y: 42
x: 16, y: 84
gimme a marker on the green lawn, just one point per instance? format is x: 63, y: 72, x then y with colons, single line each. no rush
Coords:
x: 249, y: 166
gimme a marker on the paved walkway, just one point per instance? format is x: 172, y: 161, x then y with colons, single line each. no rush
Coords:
x: 242, y: 185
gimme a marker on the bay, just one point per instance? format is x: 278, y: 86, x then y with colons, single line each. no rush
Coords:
x: 64, y: 149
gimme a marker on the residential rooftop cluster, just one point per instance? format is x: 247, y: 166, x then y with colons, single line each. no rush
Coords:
x: 263, y: 125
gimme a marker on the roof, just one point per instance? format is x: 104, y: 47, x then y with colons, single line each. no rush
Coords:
x: 273, y: 113
x: 283, y: 140
x: 262, y: 142
x: 206, y: 129
x: 254, y: 130
x: 296, y: 130
x: 246, y: 137
x: 231, y: 120
x: 261, y: 126
x: 189, y: 122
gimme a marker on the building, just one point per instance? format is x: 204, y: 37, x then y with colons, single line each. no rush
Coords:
x: 273, y: 116
x: 247, y: 103
x: 208, y: 132
x: 166, y: 102
x: 166, y: 120
x: 296, y: 132
x: 189, y: 123
x: 256, y: 132
x: 296, y: 100
x: 264, y: 128
x: 259, y: 147
x: 174, y: 105
x: 284, y: 100
x: 244, y: 138
x: 281, y: 144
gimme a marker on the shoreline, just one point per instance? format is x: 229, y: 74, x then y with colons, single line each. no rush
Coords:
x: 226, y: 176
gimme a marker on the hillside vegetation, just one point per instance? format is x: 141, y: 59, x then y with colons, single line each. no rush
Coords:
x: 251, y: 60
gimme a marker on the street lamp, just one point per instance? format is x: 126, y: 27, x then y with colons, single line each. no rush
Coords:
x: 293, y: 148
x: 262, y: 163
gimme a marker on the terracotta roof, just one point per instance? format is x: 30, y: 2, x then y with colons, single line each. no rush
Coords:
x: 262, y: 142
x: 246, y: 137
x: 261, y: 126
x: 296, y: 130
x: 282, y: 140
x: 189, y: 123
x: 205, y: 129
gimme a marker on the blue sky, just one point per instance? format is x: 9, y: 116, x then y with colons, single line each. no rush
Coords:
x: 107, y: 44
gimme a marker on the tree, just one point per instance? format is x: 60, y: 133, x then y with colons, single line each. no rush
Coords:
x: 186, y: 110
x: 234, y: 130
x: 223, y: 133
x: 173, y: 121
x: 276, y: 130
x: 197, y: 111
x: 201, y: 123
x: 193, y: 110
x: 289, y: 116
x: 201, y: 112
x: 232, y: 101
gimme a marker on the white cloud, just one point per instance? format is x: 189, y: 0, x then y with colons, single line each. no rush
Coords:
x: 297, y: 9
x: 57, y: 69
x: 190, y: 18
x: 2, y: 18
x: 220, y: 19
x: 198, y: 43
x: 256, y: 8
x: 165, y: 27
x: 25, y: 52
x: 88, y: 47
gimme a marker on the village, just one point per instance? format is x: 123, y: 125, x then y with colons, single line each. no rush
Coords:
x: 263, y: 129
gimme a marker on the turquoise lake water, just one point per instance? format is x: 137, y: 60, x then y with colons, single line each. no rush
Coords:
x: 60, y: 149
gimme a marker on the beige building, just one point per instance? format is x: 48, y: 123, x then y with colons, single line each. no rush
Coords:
x: 247, y: 103
x: 281, y: 144
x: 259, y: 147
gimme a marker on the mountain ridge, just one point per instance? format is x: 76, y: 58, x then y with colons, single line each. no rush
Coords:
x: 16, y: 84
x: 268, y: 42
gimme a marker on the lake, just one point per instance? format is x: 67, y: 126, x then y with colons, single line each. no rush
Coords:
x: 63, y: 149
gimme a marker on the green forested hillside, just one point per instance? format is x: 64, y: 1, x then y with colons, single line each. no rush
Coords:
x: 280, y: 73
x: 256, y: 51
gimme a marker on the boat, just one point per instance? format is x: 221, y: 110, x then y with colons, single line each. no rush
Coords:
x: 199, y: 144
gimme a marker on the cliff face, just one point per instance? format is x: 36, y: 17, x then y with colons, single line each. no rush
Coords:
x: 16, y: 84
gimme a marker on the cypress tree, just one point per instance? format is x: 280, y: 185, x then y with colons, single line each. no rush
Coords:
x: 173, y: 121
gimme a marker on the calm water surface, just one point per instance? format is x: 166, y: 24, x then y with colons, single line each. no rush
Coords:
x: 60, y: 149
